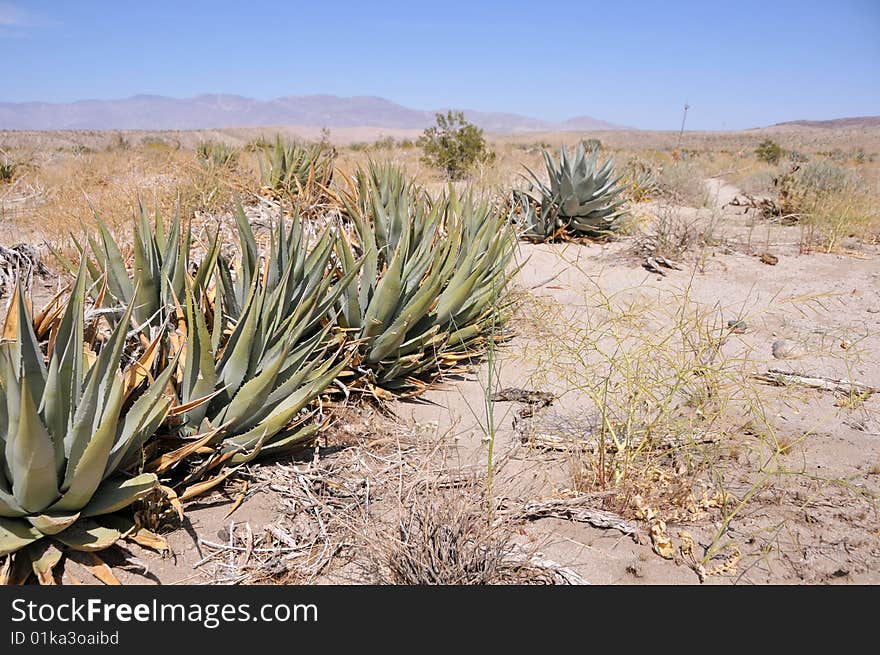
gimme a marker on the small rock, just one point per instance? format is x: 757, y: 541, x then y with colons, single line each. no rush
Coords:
x: 769, y: 259
x: 785, y: 349
x: 737, y: 326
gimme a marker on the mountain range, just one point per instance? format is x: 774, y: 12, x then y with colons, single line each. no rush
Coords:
x: 152, y: 112
x: 853, y: 122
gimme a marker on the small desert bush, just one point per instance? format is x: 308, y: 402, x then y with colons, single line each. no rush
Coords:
x: 446, y: 538
x: 830, y: 201
x: 672, y: 235
x: 682, y: 182
x: 7, y: 170
x: 258, y: 145
x: 119, y: 142
x: 454, y: 146
x: 832, y: 218
x: 769, y: 151
x: 664, y: 392
x: 158, y: 143
x: 759, y: 181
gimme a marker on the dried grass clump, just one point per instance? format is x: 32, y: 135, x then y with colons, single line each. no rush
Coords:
x: 448, y: 539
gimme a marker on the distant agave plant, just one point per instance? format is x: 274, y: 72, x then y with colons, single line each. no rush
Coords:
x: 70, y: 428
x: 217, y: 154
x: 581, y: 198
x: 294, y: 168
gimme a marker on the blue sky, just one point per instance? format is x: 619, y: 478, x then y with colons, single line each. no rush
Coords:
x: 738, y: 64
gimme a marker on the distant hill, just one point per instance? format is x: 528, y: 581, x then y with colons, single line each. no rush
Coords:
x: 150, y: 112
x: 856, y: 122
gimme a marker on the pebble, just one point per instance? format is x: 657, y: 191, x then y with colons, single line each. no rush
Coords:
x: 784, y: 349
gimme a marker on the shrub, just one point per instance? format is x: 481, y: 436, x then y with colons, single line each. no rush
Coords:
x: 7, y: 170
x: 832, y: 202
x: 682, y: 182
x: 454, y: 145
x: 769, y: 151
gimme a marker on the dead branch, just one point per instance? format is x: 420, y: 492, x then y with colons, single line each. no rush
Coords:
x: 780, y: 378
x: 557, y: 574
x: 574, y: 509
x: 562, y: 443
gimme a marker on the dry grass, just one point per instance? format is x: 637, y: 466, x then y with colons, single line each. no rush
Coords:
x: 63, y: 193
x: 663, y: 408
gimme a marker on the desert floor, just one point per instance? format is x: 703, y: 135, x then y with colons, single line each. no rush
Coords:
x: 663, y: 457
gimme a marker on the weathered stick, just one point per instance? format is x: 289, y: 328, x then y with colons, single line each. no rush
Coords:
x: 782, y: 378
x: 566, y: 443
x: 558, y: 574
x: 575, y: 509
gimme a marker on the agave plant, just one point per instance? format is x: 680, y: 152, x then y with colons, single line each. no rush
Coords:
x: 70, y: 429
x: 431, y: 273
x: 640, y: 181
x: 581, y: 198
x: 217, y: 154
x: 537, y: 218
x: 263, y: 370
x: 294, y: 168
x: 160, y: 263
x: 472, y: 307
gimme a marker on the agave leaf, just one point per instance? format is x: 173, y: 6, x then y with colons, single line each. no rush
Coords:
x: 252, y: 396
x: 12, y: 397
x: 85, y: 473
x: 65, y: 375
x: 167, y: 461
x: 26, y: 349
x: 135, y: 533
x: 101, y: 381
x: 142, y: 420
x: 140, y: 369
x: 43, y: 560
x: 88, y: 536
x: 15, y: 534
x: 148, y: 274
x: 282, y: 414
x: 384, y: 304
x: 206, y: 268
x: 283, y: 442
x: 236, y: 358
x: 9, y: 507
x: 94, y: 565
x: 114, y: 266
x: 117, y: 493
x: 50, y: 524
x: 32, y: 460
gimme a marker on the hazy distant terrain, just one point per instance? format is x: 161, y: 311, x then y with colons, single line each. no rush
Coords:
x: 150, y: 112
x: 855, y: 122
